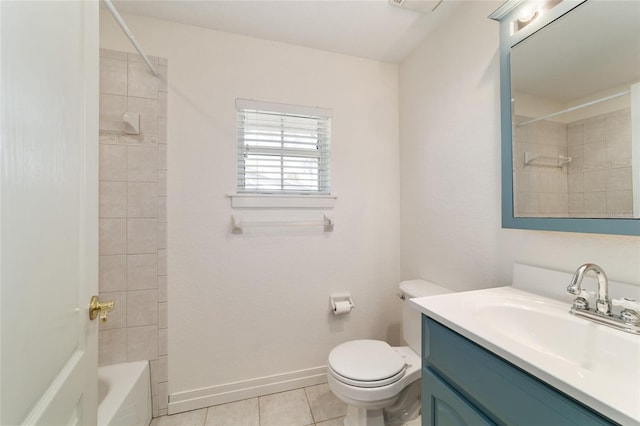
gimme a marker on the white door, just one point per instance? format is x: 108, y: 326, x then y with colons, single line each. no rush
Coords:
x: 48, y: 221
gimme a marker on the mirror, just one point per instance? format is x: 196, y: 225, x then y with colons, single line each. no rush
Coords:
x: 571, y: 123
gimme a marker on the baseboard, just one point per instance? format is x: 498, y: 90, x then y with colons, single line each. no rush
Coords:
x: 236, y: 391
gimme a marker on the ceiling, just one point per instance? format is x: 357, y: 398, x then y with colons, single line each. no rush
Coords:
x: 371, y: 29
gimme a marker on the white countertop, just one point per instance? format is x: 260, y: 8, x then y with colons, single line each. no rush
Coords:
x: 597, y: 365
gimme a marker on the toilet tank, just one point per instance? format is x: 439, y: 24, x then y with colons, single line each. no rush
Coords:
x: 411, y: 317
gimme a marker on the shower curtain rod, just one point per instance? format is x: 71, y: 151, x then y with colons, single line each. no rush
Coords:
x: 573, y: 108
x: 126, y: 30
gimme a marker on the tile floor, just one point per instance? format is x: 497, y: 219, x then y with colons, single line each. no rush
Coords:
x: 313, y: 405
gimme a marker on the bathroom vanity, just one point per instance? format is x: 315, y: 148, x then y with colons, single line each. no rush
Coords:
x: 508, y: 356
x: 465, y: 384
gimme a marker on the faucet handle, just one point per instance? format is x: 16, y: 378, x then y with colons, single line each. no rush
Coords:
x: 627, y: 303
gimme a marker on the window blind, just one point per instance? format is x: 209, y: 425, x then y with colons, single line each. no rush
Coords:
x: 282, y: 148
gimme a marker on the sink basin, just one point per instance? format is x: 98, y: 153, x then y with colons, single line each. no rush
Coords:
x: 595, y: 364
x: 549, y: 329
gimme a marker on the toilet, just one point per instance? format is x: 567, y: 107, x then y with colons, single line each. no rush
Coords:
x: 379, y: 383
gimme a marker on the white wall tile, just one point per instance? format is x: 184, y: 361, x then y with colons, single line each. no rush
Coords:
x: 153, y: 370
x: 142, y: 343
x: 595, y: 203
x: 163, y: 342
x: 162, y: 130
x: 575, y: 134
x: 142, y: 164
x: 163, y: 315
x: 162, y: 288
x: 162, y: 156
x: 111, y: 109
x: 162, y: 104
x: 142, y: 236
x: 618, y: 151
x: 618, y: 123
x: 142, y: 199
x: 112, y: 346
x: 162, y: 183
x: 163, y: 368
x: 134, y: 57
x: 114, y: 54
x: 595, y: 155
x: 113, y: 273
x: 619, y: 203
x: 595, y: 180
x: 162, y: 209
x: 162, y: 262
x: 619, y: 179
x: 113, y: 199
x: 142, y: 308
x: 141, y: 82
x: 576, y: 203
x: 113, y: 76
x: 113, y: 163
x: 112, y: 236
x: 129, y: 192
x: 575, y: 182
x: 163, y: 401
x: 162, y: 235
x: 142, y: 271
x: 594, y: 129
x: 162, y: 78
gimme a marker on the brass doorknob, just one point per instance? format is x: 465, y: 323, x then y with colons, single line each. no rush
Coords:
x: 96, y: 306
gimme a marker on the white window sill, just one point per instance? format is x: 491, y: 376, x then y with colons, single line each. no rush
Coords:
x: 282, y: 201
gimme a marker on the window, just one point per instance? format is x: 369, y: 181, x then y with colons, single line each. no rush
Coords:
x: 282, y: 149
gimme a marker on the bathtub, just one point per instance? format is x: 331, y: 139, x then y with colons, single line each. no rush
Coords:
x: 124, y: 394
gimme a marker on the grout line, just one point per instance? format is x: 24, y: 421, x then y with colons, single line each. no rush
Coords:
x: 309, y: 404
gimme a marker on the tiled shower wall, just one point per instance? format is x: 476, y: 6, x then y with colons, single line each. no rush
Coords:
x: 600, y: 173
x: 597, y: 182
x: 540, y: 190
x: 133, y: 216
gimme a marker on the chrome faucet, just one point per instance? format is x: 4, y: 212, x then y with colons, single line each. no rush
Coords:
x: 629, y: 318
x: 603, y: 304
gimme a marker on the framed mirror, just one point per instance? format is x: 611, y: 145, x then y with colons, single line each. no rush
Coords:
x: 570, y: 112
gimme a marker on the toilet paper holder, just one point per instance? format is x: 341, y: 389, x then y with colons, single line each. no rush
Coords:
x: 339, y: 302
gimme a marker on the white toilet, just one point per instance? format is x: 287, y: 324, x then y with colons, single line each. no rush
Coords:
x: 380, y: 383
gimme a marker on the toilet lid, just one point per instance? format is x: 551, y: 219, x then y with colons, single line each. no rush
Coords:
x: 366, y: 361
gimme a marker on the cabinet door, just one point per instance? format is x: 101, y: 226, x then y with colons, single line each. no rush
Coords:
x: 443, y: 406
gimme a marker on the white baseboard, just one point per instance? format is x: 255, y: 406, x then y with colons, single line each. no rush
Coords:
x: 236, y: 391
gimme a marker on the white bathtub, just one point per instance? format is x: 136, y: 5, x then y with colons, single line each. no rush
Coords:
x: 124, y: 394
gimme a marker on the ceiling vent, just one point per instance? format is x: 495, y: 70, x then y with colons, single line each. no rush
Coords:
x: 422, y: 6
x: 397, y: 3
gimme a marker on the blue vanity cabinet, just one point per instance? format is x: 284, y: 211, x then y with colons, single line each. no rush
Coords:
x: 465, y: 384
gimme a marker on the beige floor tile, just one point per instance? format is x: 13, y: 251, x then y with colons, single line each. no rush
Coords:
x: 324, y: 404
x: 190, y: 418
x: 332, y: 422
x: 285, y: 409
x: 239, y: 413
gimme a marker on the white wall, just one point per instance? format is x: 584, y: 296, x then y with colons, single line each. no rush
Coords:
x: 252, y: 305
x: 449, y: 162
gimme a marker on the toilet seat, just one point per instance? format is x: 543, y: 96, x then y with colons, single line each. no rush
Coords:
x: 366, y: 364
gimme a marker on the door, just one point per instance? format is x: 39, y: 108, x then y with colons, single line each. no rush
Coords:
x: 443, y: 406
x: 48, y: 220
